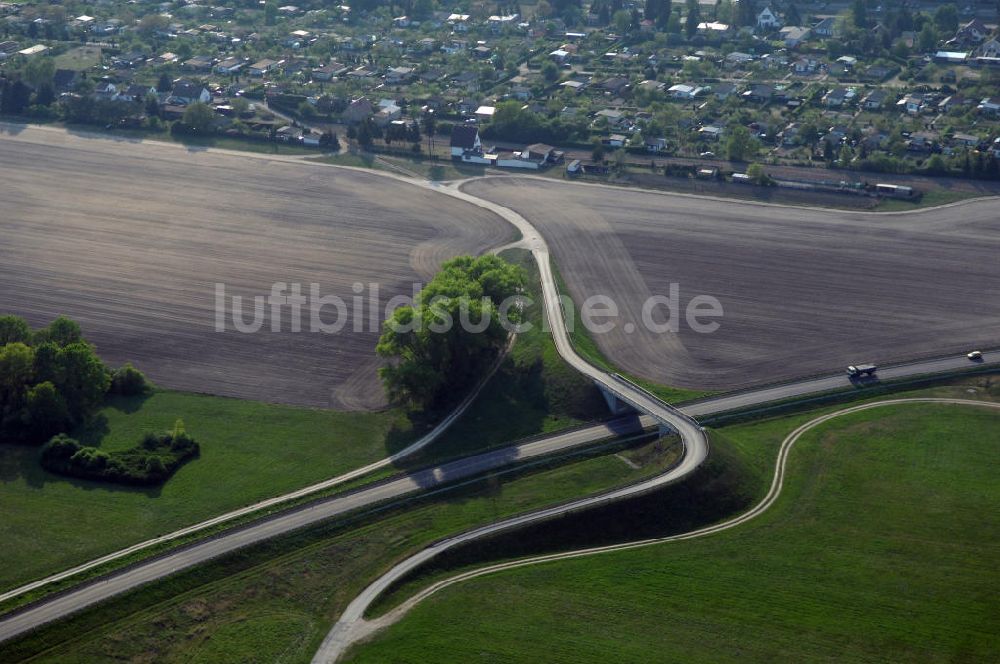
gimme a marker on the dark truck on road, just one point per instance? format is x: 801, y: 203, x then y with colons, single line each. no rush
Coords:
x: 861, y: 370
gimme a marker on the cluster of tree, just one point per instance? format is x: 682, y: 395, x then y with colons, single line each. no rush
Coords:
x: 51, y: 379
x: 151, y: 462
x: 513, y: 123
x: 445, y: 340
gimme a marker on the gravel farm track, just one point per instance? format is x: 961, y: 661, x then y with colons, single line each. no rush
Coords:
x: 803, y: 289
x: 130, y: 239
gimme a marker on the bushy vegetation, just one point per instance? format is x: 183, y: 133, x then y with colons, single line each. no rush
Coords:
x: 151, y: 462
x: 452, y: 331
x: 51, y: 379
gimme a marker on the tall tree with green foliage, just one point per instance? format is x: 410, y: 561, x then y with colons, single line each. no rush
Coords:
x: 859, y: 14
x: 946, y: 18
x: 740, y: 146
x: 693, y: 18
x: 452, y: 331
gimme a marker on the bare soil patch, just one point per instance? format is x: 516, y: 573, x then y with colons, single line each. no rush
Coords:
x: 804, y: 291
x: 130, y: 239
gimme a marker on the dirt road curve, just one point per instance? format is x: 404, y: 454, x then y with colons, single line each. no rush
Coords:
x: 130, y: 238
x: 802, y: 290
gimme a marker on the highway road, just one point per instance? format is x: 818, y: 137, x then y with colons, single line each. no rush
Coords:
x: 656, y: 413
x: 364, y: 628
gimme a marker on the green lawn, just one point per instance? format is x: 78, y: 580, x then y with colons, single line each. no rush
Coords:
x: 929, y: 199
x: 252, y: 451
x: 249, y: 451
x: 276, y: 602
x: 79, y: 58
x: 883, y: 547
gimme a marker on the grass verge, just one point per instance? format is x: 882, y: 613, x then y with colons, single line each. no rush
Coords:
x: 249, y: 451
x: 881, y: 547
x: 293, y: 587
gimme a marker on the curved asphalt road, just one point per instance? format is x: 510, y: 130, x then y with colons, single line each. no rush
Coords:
x: 365, y: 628
x: 657, y: 413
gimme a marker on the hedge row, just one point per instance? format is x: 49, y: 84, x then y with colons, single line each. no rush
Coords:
x: 151, y: 462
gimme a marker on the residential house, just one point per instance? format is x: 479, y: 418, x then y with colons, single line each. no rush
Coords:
x: 767, y: 20
x: 465, y: 140
x: 615, y: 117
x: 876, y: 100
x: 229, y: 66
x: 614, y: 85
x: 973, y: 32
x: 485, y: 113
x: 838, y: 97
x: 911, y: 104
x: 921, y: 141
x: 738, y: 59
x: 187, y: 92
x: 713, y: 29
x: 614, y: 140
x: 388, y: 111
x: 790, y: 135
x: 826, y: 28
x: 879, y: 72
x: 520, y: 92
x: 951, y: 57
x: 357, y: 111
x: 399, y: 75
x: 199, y: 64
x: 106, y: 91
x: 723, y: 91
x: 989, y: 106
x: 262, y: 67
x: 962, y: 140
x: 684, y: 91
x: 793, y: 35
x: 805, y: 66
x: 990, y: 49
x: 137, y: 93
x: 760, y: 93
x: 467, y: 106
x: 656, y: 144
x: 329, y: 71
x: 710, y: 132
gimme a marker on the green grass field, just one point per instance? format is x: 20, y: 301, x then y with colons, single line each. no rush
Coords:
x: 249, y: 451
x: 929, y: 199
x: 883, y: 547
x: 79, y: 58
x: 252, y: 451
x: 276, y: 602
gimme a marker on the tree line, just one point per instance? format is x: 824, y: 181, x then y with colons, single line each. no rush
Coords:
x: 52, y: 380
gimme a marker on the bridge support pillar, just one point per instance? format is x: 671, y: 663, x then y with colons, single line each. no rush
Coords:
x: 615, y: 405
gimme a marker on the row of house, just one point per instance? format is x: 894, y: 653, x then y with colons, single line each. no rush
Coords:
x: 467, y: 147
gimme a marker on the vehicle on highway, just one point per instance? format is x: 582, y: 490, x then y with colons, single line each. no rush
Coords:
x: 708, y: 155
x: 861, y: 370
x: 975, y: 356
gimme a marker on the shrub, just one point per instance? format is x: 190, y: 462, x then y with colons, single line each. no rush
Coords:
x: 129, y: 381
x: 151, y: 462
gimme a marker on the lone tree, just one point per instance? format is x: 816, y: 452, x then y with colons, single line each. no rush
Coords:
x: 740, y: 145
x: 453, y: 330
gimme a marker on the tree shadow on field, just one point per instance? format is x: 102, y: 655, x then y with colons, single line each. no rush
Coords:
x: 128, y: 404
x: 93, y: 431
